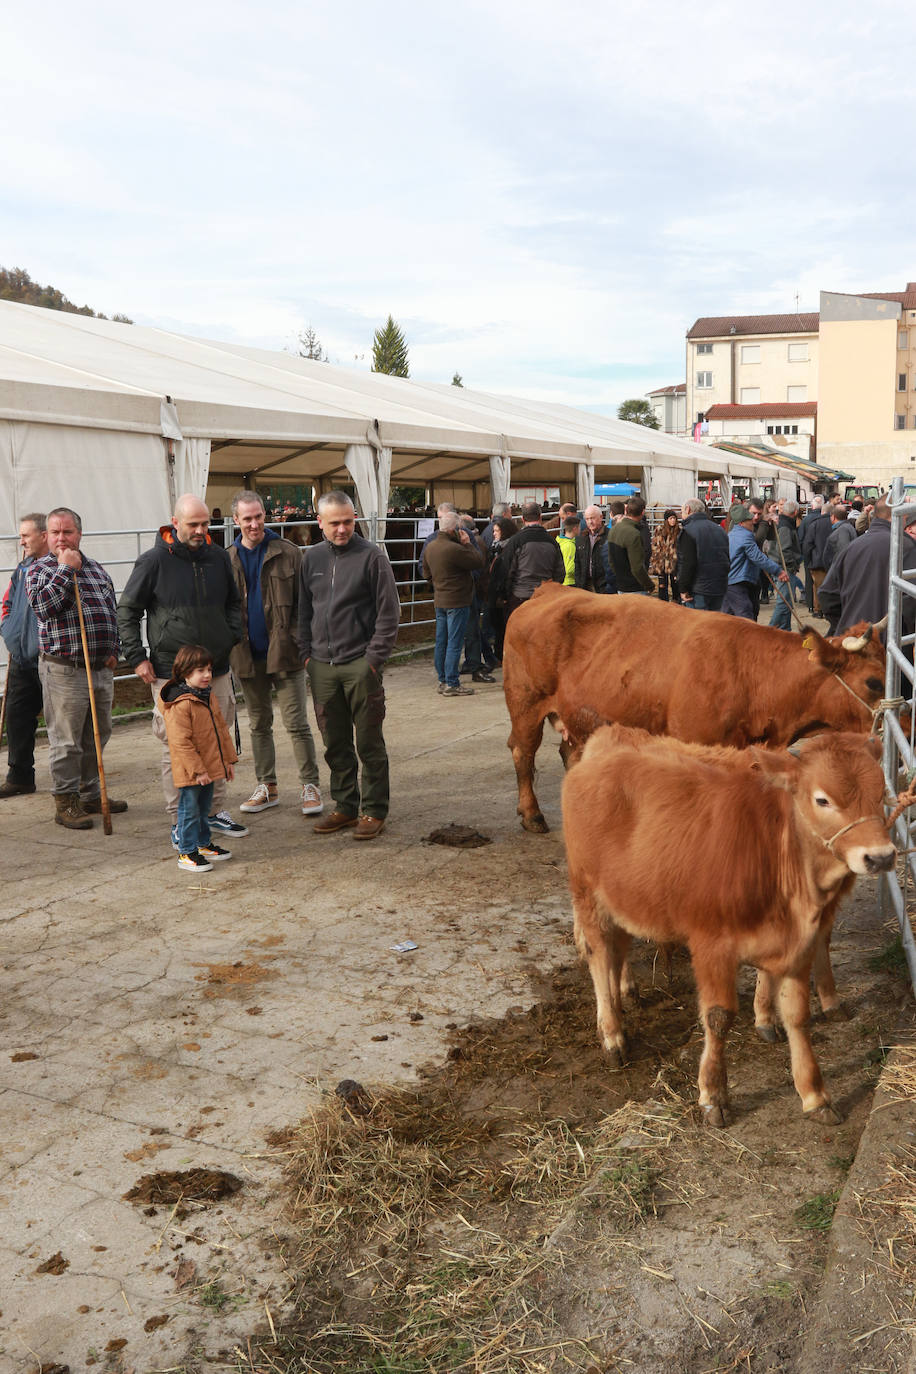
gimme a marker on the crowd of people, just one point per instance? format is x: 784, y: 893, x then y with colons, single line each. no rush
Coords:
x: 733, y: 565
x: 282, y: 618
x: 263, y: 609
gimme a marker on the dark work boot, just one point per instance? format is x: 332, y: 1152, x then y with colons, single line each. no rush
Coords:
x: 70, y: 813
x: 11, y: 788
x: 93, y: 806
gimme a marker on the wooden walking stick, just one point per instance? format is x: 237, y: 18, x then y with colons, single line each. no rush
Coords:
x: 106, y: 810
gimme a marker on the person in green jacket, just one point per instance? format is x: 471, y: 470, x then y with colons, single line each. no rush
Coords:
x: 567, y: 542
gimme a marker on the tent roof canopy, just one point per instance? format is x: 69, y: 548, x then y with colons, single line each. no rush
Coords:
x: 284, y: 418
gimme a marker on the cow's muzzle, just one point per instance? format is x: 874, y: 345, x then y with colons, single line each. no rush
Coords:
x: 880, y: 860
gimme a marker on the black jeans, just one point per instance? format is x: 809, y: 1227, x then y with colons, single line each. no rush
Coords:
x: 23, y: 707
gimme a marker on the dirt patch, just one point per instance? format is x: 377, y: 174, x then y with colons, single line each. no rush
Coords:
x: 56, y: 1265
x: 457, y: 837
x: 22, y: 1057
x: 227, y: 980
x: 527, y: 1209
x: 183, y: 1185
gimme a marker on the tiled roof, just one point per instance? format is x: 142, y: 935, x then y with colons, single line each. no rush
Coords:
x: 766, y: 410
x: 679, y: 389
x: 905, y: 298
x: 723, y: 326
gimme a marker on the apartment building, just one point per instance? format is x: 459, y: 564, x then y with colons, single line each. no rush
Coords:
x: 670, y: 406
x: 867, y: 405
x: 751, y: 360
x: 789, y: 426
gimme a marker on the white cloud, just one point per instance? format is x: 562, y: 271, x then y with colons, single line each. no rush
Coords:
x: 545, y: 200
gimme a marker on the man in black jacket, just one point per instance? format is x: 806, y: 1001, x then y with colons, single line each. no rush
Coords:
x: 856, y: 587
x: 529, y: 558
x: 592, y: 561
x: 185, y: 587
x: 702, y: 558
x: 813, y: 533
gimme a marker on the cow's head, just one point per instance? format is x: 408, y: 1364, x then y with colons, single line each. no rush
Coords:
x: 839, y: 791
x: 859, y: 659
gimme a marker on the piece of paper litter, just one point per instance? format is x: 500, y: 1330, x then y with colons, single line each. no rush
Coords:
x: 405, y: 947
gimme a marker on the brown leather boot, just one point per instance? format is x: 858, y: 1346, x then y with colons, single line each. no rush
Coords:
x: 70, y: 813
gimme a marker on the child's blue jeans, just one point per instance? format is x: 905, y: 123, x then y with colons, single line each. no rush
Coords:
x: 193, y: 809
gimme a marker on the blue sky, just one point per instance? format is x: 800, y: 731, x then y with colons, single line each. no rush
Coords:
x: 545, y: 197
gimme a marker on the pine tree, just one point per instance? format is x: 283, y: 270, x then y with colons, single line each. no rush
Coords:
x: 310, y: 346
x: 389, y: 350
x: 456, y: 380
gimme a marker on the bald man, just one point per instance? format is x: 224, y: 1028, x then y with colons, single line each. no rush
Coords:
x: 185, y: 587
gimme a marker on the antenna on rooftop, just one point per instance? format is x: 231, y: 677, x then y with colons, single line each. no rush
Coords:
x: 796, y: 302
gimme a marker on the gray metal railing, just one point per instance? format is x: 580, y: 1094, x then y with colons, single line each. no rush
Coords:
x: 118, y: 550
x: 898, y: 889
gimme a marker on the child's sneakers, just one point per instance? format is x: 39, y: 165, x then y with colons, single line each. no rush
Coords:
x: 194, y: 863
x: 212, y: 852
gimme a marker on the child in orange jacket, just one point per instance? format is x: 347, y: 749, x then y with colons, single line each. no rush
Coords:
x: 201, y: 751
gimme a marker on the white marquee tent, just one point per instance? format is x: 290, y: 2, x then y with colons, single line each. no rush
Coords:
x: 116, y: 420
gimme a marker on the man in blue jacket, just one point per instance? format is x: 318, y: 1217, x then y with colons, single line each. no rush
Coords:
x: 746, y: 564
x: 19, y: 629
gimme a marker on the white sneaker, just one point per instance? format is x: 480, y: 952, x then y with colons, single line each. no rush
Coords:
x: 312, y: 805
x: 263, y: 796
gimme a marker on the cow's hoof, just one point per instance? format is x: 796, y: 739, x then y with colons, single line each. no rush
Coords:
x: 841, y: 1012
x: 714, y: 1115
x: 827, y: 1115
x: 616, y: 1055
x: 770, y: 1033
x: 535, y: 825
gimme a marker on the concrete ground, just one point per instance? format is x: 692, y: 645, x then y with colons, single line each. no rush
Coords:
x: 151, y: 1020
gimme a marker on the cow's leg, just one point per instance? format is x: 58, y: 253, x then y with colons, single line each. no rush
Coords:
x: 832, y: 1007
x: 795, y: 1010
x: 765, y: 1022
x: 603, y: 947
x: 718, y: 996
x: 524, y: 741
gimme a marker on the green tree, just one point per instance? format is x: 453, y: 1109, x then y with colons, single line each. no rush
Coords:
x: 310, y: 346
x: 389, y: 350
x: 456, y: 380
x: 638, y: 412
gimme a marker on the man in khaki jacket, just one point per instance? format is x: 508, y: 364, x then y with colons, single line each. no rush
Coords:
x: 266, y: 570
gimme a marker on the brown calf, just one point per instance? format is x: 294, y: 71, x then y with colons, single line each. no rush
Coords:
x: 790, y: 832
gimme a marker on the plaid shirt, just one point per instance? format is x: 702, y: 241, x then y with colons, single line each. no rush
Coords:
x: 49, y: 588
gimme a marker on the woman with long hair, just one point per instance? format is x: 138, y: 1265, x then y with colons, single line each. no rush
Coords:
x: 663, y: 563
x: 504, y: 527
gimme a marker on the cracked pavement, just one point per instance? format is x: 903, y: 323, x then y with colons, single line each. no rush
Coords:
x: 150, y: 1021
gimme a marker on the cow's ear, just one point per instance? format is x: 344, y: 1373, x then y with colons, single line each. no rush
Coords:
x: 779, y: 766
x: 821, y: 651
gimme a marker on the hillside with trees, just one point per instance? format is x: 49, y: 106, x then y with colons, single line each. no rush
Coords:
x: 17, y: 285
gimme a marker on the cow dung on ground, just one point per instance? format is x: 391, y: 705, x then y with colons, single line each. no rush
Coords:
x: 183, y: 1185
x: 457, y: 837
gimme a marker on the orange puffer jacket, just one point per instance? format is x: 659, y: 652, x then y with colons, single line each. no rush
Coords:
x: 198, y: 738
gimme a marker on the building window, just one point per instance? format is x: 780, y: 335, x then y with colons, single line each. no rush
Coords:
x: 750, y: 353
x: 901, y: 381
x: 704, y: 348
x: 770, y: 429
x: 798, y: 353
x: 901, y: 339
x: 796, y: 393
x: 704, y: 379
x: 795, y: 429
x: 750, y: 395
x: 899, y: 422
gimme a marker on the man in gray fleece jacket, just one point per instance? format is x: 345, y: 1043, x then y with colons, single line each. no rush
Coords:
x: 348, y: 623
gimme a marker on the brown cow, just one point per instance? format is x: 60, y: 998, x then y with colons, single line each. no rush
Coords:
x: 791, y: 830
x: 696, y: 675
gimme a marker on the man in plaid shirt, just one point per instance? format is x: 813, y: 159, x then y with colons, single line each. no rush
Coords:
x: 50, y: 590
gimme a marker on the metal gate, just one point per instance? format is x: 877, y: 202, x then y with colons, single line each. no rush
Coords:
x: 898, y: 889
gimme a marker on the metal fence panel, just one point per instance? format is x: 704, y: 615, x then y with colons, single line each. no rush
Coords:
x: 898, y: 888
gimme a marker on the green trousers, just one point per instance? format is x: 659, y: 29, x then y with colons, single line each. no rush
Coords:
x: 349, y: 700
